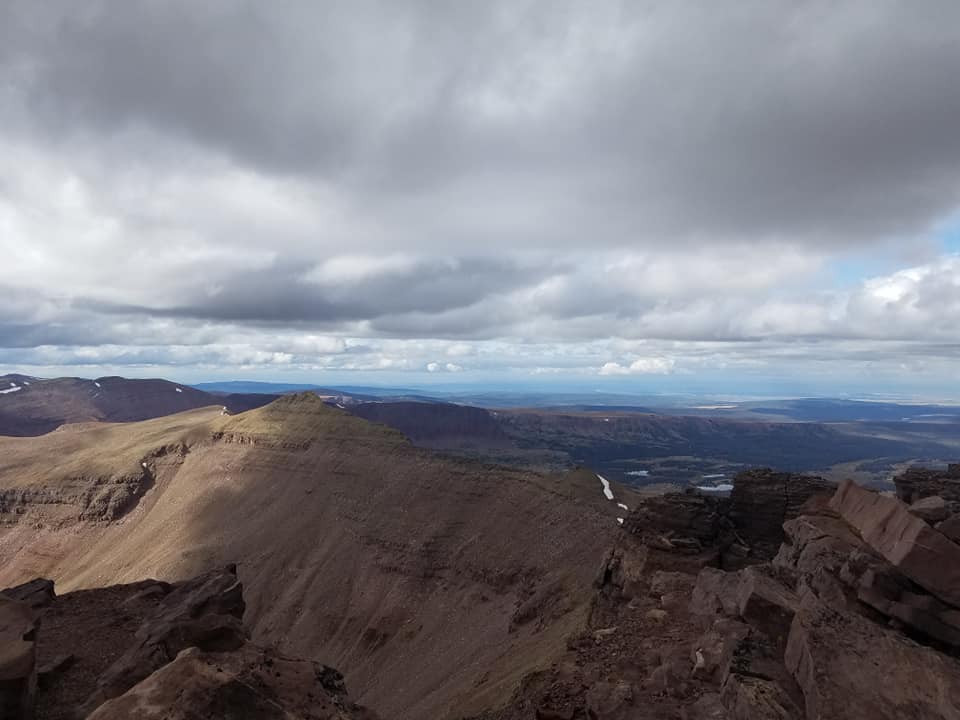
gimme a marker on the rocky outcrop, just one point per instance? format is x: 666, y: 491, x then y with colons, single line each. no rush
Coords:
x: 841, y: 624
x: 762, y: 500
x: 251, y: 682
x: 18, y: 660
x: 189, y: 658
x: 743, y: 529
x: 912, y: 546
x: 848, y: 667
x: 36, y: 593
x: 206, y: 613
x: 918, y: 483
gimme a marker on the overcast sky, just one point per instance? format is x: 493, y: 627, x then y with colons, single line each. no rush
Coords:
x: 639, y: 194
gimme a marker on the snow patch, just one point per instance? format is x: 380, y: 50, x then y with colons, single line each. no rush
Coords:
x: 620, y: 520
x: 607, y: 492
x: 624, y: 506
x: 96, y: 383
x: 143, y: 464
x: 723, y: 488
x: 715, y: 476
x: 178, y: 389
x: 10, y: 390
x: 639, y: 473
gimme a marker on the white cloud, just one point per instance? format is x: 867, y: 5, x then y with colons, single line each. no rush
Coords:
x: 640, y: 366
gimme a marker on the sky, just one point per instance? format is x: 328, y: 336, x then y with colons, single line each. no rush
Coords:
x: 751, y: 196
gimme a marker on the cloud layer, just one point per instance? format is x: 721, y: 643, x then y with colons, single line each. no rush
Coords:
x: 498, y: 189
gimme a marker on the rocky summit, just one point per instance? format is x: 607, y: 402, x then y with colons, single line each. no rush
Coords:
x: 694, y: 618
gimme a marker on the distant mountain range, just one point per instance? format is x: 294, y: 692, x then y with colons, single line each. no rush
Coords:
x: 34, y: 406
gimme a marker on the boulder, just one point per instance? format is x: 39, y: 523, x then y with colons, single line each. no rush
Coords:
x: 917, y: 550
x: 251, y: 683
x: 622, y: 572
x: 205, y: 612
x: 747, y: 697
x: 840, y: 661
x: 610, y: 701
x: 707, y: 707
x: 933, y: 509
x: 816, y: 541
x: 950, y: 528
x: 766, y: 603
x: 713, y: 652
x: 715, y: 591
x: 18, y: 660
x: 36, y: 593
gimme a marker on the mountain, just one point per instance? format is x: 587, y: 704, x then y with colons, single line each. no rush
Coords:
x: 435, y: 585
x: 34, y: 406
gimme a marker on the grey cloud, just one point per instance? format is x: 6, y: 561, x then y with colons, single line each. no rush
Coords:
x: 650, y: 120
x: 284, y: 294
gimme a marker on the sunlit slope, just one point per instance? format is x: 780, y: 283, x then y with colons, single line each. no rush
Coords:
x: 433, y: 584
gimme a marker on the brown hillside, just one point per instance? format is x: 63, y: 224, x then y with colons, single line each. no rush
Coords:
x: 434, y: 585
x: 34, y: 406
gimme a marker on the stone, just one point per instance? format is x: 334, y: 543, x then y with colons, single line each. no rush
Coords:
x: 662, y: 582
x: 622, y: 572
x: 715, y: 591
x: 950, y: 528
x: 766, y: 603
x: 55, y: 665
x: 713, y: 652
x: 816, y: 541
x: 933, y: 509
x: 18, y: 660
x: 707, y: 707
x: 36, y: 593
x: 925, y: 621
x: 754, y: 698
x: 205, y: 612
x: 609, y: 700
x: 839, y: 659
x: 250, y: 683
x: 656, y: 614
x: 917, y: 550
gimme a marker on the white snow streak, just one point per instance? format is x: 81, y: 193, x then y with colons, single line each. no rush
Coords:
x: 96, y: 383
x: 178, y: 389
x: 10, y: 390
x: 623, y: 505
x: 607, y: 492
x: 726, y: 487
x: 620, y: 520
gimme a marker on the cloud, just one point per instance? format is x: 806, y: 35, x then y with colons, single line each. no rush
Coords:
x: 640, y: 366
x: 502, y: 188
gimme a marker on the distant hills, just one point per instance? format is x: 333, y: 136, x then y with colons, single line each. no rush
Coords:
x: 34, y: 406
